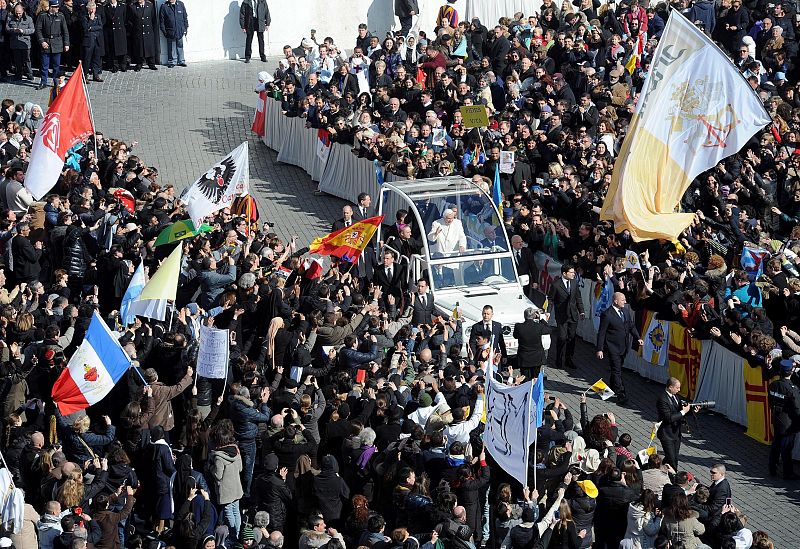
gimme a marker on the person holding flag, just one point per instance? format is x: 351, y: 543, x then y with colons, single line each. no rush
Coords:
x: 67, y: 122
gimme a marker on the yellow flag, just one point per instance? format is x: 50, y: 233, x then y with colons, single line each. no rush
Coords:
x: 695, y: 110
x: 631, y: 64
x: 603, y: 389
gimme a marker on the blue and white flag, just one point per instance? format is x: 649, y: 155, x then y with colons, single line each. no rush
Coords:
x: 537, y: 408
x: 603, y: 302
x: 753, y: 261
x: 135, y: 287
x: 497, y: 196
x: 92, y: 371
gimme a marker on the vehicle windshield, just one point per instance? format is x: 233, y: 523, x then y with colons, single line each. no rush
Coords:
x: 483, y: 271
x: 461, y: 224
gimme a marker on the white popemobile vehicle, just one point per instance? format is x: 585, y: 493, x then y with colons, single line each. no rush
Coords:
x: 467, y: 259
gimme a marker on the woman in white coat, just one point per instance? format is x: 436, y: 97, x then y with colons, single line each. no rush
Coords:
x: 644, y: 522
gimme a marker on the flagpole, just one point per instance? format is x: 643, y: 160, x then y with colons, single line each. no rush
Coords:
x: 135, y: 369
x: 528, y: 442
x: 89, y: 102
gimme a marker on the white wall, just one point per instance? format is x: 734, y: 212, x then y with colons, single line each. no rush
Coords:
x: 214, y: 31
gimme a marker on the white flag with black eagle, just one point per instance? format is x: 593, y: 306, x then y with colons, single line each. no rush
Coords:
x: 219, y: 186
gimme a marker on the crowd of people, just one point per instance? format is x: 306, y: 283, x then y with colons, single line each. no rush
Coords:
x: 351, y: 415
x: 113, y: 35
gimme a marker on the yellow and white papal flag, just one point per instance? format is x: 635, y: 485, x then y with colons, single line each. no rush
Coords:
x: 694, y: 110
x: 602, y: 389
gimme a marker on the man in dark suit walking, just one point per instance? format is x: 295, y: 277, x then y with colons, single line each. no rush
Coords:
x: 391, y: 278
x: 530, y: 353
x: 523, y: 259
x: 565, y: 296
x: 422, y: 304
x: 670, y: 415
x: 614, y: 338
x: 489, y: 326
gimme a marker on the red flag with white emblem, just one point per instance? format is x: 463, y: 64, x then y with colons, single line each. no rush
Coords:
x: 68, y: 121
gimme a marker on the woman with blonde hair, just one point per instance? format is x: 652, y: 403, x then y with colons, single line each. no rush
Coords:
x: 81, y: 444
x: 273, y: 351
x: 74, y: 493
x: 565, y: 535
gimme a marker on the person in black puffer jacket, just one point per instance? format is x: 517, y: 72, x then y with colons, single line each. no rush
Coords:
x: 582, y: 505
x: 271, y: 494
x: 76, y: 257
x: 330, y: 491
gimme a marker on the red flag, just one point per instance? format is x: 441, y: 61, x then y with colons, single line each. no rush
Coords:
x: 67, y: 122
x: 258, y: 120
x: 349, y: 242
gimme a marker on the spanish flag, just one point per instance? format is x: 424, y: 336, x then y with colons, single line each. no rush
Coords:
x: 694, y: 110
x: 347, y: 243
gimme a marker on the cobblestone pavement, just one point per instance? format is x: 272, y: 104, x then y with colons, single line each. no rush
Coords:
x: 771, y: 504
x: 187, y: 118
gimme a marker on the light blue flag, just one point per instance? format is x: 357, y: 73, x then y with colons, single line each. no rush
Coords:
x: 378, y: 172
x: 496, y: 195
x: 603, y: 302
x: 135, y: 288
x: 537, y: 410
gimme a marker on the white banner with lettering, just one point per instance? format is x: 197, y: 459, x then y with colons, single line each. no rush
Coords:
x: 214, y: 352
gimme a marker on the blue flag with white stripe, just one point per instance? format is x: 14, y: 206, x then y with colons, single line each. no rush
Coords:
x: 135, y: 287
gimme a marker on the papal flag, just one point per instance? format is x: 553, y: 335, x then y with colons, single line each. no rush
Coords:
x: 219, y: 186
x: 160, y: 289
x: 347, y: 243
x: 694, y: 110
x: 602, y: 389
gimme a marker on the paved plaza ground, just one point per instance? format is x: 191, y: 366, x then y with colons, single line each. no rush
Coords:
x: 185, y: 119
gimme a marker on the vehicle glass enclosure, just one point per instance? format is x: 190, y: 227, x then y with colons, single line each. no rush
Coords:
x: 460, y: 229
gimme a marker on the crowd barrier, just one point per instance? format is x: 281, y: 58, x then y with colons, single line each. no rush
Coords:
x: 707, y: 370
x: 339, y: 172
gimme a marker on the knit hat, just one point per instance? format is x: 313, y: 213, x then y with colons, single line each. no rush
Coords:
x: 247, y: 533
x: 589, y: 488
x: 425, y: 400
x: 271, y: 462
x: 571, y: 435
x: 290, y: 383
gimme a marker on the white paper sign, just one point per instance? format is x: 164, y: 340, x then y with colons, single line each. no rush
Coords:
x: 214, y: 352
x: 506, y: 162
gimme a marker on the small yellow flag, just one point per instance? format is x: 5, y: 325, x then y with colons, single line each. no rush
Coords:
x: 603, y: 389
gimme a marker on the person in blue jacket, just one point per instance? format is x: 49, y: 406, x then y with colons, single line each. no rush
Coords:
x: 174, y: 24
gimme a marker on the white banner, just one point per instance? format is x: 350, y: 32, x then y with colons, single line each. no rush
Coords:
x: 656, y: 341
x: 508, y: 422
x: 220, y: 185
x: 213, y: 355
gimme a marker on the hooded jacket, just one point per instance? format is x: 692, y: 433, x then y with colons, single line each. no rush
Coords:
x: 245, y: 418
x: 330, y: 490
x: 49, y: 528
x: 225, y: 467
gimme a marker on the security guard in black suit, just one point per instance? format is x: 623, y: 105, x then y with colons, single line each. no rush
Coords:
x: 784, y: 402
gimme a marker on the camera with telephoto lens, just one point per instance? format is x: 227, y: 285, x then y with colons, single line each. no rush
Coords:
x: 700, y: 404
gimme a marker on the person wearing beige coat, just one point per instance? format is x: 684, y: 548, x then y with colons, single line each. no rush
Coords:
x: 162, y: 398
x: 681, y: 524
